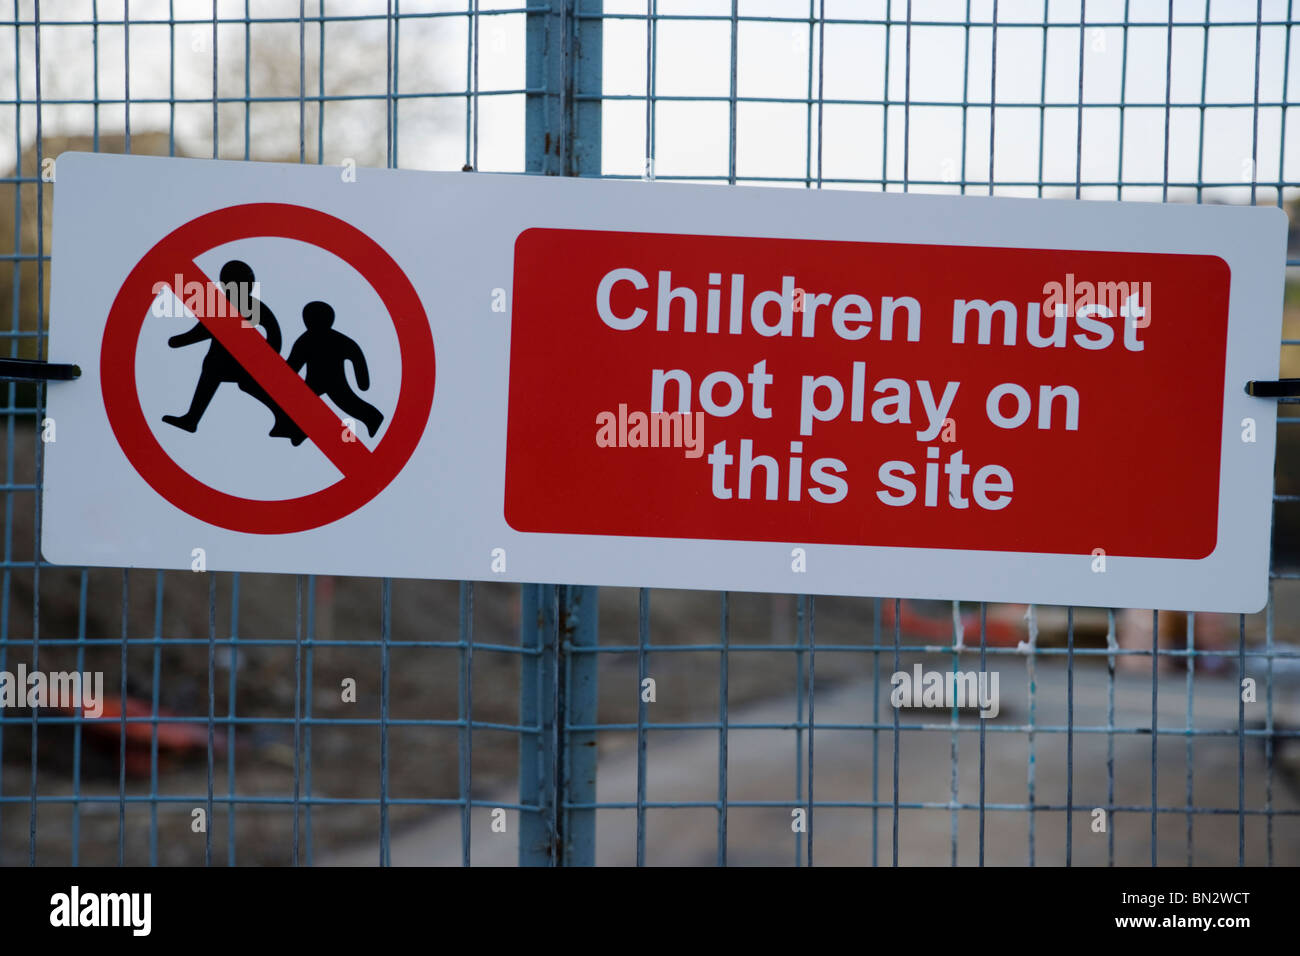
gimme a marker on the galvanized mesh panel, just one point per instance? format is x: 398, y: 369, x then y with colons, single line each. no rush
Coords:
x: 770, y: 736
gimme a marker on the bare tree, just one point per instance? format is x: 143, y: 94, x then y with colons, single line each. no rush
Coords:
x: 288, y: 89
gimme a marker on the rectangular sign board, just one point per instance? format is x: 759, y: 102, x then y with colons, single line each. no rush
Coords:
x: 456, y: 375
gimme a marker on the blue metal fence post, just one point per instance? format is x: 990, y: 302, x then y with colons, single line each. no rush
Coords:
x: 563, y: 76
x: 557, y: 766
x: 577, y: 702
x: 537, y: 750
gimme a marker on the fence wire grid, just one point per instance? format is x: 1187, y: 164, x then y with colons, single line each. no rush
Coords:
x: 313, y: 720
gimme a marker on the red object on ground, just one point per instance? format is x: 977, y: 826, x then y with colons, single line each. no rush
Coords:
x: 999, y: 631
x: 175, y: 738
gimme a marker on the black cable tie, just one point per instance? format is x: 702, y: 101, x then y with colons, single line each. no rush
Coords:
x: 1281, y: 388
x: 36, y: 370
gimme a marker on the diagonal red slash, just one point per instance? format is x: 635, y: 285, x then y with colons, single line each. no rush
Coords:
x: 308, y: 411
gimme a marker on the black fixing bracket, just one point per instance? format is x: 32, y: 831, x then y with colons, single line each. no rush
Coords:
x: 1281, y: 388
x: 36, y: 370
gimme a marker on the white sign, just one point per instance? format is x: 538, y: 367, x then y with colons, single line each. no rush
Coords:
x: 475, y: 376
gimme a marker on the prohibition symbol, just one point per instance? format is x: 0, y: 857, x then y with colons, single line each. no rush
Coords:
x: 365, y: 472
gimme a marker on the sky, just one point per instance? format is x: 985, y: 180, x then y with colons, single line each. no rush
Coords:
x: 783, y: 69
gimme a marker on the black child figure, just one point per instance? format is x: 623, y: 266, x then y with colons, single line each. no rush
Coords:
x: 220, y: 366
x: 325, y: 351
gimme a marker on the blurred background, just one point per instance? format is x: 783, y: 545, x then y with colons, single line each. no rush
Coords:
x: 474, y: 697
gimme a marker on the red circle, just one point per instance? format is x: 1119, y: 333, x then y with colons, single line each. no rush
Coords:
x: 184, y: 245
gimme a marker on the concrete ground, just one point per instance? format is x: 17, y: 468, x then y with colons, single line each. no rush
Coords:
x: 762, y: 764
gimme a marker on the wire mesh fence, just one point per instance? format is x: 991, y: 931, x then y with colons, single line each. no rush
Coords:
x: 269, y: 719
